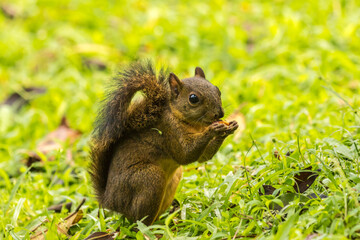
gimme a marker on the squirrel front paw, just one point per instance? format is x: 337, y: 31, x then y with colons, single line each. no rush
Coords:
x: 233, y: 125
x: 223, y: 130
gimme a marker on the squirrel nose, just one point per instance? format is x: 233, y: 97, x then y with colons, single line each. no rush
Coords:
x: 220, y: 114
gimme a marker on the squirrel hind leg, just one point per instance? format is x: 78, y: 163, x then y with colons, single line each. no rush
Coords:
x: 150, y: 186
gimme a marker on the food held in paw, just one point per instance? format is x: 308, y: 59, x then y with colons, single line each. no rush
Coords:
x: 223, y: 122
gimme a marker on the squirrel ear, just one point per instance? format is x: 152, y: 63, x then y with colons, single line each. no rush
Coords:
x: 175, y: 84
x: 199, y: 72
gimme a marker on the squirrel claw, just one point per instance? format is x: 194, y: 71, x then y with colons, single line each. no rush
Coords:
x: 233, y: 125
x: 218, y: 128
x: 223, y: 130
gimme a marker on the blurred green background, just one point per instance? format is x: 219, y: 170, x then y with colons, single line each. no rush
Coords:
x: 289, y: 69
x: 252, y: 49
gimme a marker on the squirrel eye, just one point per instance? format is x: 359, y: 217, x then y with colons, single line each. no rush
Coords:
x: 193, y: 98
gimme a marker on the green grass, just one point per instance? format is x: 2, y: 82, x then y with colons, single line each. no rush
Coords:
x: 290, y: 67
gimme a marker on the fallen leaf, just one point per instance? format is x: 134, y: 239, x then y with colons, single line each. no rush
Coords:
x: 21, y: 98
x: 57, y: 208
x: 101, y: 236
x: 304, y: 179
x: 94, y: 63
x: 268, y: 190
x: 287, y: 198
x: 54, y: 141
x: 62, y: 227
x: 9, y: 11
x: 71, y: 220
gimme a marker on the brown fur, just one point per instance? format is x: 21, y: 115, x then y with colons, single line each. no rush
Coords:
x: 152, y: 139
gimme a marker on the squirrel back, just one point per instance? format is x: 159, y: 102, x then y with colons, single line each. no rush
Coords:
x: 120, y: 116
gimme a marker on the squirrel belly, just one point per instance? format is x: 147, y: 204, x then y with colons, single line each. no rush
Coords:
x: 138, y: 148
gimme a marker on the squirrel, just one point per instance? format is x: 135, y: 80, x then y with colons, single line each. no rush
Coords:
x: 138, y: 146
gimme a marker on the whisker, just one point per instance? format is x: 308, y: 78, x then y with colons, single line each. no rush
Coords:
x: 201, y: 117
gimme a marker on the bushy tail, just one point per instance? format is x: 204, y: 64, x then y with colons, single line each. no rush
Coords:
x: 119, y: 116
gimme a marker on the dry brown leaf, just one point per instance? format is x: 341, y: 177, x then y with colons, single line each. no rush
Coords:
x: 94, y: 63
x: 57, y: 208
x: 54, y: 141
x: 9, y: 11
x: 101, y: 236
x: 304, y: 179
x: 22, y: 97
x: 40, y: 231
x: 268, y: 190
x: 62, y: 227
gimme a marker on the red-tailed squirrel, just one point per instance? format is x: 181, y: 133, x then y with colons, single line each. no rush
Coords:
x: 138, y: 147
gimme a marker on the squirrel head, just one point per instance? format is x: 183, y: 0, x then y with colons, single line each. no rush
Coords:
x: 195, y: 100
